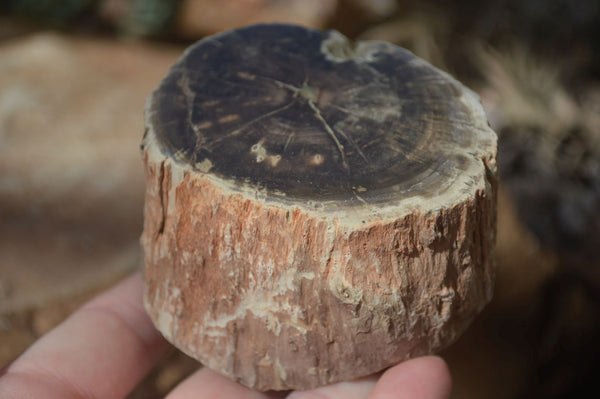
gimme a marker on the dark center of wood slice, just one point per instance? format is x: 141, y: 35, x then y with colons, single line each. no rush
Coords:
x: 306, y: 115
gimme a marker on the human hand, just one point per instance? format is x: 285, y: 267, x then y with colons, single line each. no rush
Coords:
x: 106, y: 347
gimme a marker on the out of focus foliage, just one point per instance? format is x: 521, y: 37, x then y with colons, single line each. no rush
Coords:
x: 133, y: 17
x: 53, y: 12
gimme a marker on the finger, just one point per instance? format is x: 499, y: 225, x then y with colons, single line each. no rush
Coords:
x: 101, y: 351
x: 205, y: 383
x: 421, y: 378
x: 358, y: 389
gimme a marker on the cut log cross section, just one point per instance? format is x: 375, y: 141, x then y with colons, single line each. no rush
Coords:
x: 316, y: 210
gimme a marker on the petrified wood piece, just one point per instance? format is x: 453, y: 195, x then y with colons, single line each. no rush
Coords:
x: 316, y: 210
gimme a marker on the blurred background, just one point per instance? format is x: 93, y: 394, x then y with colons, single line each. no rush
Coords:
x: 73, y: 78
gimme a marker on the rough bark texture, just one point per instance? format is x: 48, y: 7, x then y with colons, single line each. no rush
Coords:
x: 278, y: 293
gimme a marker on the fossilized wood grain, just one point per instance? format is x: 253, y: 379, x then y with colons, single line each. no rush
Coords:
x: 279, y: 286
x: 277, y: 299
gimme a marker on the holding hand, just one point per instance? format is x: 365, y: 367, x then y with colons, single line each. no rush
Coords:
x: 105, y: 348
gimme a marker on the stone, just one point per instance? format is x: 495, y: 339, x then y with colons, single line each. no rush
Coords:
x: 196, y: 18
x: 71, y: 188
x: 376, y: 9
x: 316, y: 210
